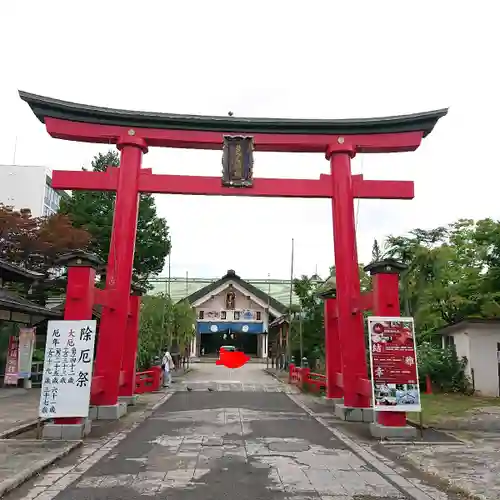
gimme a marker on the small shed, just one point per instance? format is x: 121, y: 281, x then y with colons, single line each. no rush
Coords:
x: 479, y: 341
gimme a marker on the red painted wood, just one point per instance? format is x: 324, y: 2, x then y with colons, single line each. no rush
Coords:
x: 350, y: 318
x: 130, y: 348
x: 332, y: 349
x: 428, y: 384
x: 114, y: 316
x: 193, y: 139
x: 212, y: 186
x: 366, y: 301
x: 386, y: 303
x: 97, y: 386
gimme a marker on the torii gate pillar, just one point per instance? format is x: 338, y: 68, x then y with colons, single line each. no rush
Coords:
x: 115, y: 314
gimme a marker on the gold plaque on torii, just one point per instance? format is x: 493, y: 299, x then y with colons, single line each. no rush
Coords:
x: 237, y: 161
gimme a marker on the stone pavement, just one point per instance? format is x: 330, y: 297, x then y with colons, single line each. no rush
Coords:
x: 21, y: 459
x: 245, y: 439
x: 473, y: 466
x: 18, y: 407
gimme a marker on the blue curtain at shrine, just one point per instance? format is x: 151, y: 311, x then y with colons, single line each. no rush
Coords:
x: 234, y: 327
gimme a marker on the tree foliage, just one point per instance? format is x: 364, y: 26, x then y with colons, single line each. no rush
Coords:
x: 453, y: 272
x: 163, y: 324
x: 445, y: 369
x: 311, y: 307
x: 93, y: 210
x: 35, y: 243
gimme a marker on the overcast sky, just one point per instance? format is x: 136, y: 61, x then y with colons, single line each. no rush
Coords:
x: 315, y: 59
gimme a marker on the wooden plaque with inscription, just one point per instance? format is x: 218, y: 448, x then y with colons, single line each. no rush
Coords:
x: 237, y: 161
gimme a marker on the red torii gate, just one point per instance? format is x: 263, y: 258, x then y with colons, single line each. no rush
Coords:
x: 133, y: 132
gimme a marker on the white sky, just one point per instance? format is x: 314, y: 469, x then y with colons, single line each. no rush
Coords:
x: 315, y: 59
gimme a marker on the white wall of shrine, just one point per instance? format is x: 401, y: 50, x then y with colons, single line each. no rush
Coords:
x: 245, y: 308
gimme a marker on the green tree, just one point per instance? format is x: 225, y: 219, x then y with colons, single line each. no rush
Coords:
x: 376, y: 252
x: 93, y: 210
x: 163, y: 324
x: 452, y: 272
x: 445, y: 369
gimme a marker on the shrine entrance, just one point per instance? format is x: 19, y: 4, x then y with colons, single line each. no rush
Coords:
x: 245, y: 342
x: 339, y: 140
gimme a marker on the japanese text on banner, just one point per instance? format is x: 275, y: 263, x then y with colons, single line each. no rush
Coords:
x: 393, y: 361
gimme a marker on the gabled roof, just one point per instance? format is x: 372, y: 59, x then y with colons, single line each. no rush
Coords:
x: 232, y: 276
x: 462, y: 325
x: 12, y: 272
x: 13, y: 302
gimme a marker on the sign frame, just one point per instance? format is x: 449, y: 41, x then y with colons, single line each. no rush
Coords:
x: 67, y: 376
x: 415, y: 407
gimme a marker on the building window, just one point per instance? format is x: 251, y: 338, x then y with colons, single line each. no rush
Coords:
x: 449, y: 341
x: 47, y: 211
x: 201, y: 314
x: 223, y: 315
x: 258, y: 315
x: 236, y: 315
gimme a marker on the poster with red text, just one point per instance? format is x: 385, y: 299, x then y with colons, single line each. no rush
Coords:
x: 11, y: 365
x: 393, y: 362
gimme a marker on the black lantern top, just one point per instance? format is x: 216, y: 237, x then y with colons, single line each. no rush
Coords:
x: 237, y: 161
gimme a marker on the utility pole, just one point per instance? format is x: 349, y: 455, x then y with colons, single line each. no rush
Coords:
x: 300, y: 334
x: 169, y: 263
x: 288, y: 346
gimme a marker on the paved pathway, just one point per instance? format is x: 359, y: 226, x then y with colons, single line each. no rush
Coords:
x: 249, y: 442
x: 17, y: 407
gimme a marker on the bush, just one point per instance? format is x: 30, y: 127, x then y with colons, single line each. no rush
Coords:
x: 445, y: 369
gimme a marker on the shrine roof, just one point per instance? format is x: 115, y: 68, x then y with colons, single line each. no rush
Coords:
x: 232, y: 276
x: 47, y: 107
x: 180, y: 287
x: 13, y: 302
x: 12, y: 272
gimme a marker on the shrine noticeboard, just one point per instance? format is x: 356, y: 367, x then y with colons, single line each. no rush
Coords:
x: 393, y: 363
x: 67, y: 369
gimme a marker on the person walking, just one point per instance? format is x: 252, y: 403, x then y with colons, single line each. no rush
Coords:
x: 167, y: 364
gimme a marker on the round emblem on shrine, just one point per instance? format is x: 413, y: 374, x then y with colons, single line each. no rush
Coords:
x: 244, y: 328
x: 213, y: 328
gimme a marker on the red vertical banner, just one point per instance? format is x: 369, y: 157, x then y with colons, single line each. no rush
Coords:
x: 393, y: 363
x: 11, y: 365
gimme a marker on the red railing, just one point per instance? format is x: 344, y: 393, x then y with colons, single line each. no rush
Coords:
x: 305, y: 379
x: 149, y: 380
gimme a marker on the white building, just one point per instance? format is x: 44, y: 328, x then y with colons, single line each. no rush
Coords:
x: 479, y: 341
x: 233, y: 312
x: 29, y: 187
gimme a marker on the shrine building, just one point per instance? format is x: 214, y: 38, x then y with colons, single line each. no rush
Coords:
x: 233, y: 312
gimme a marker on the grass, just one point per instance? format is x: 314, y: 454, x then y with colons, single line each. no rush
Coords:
x: 438, y: 408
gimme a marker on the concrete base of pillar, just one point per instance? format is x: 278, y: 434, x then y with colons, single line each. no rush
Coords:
x: 69, y: 432
x: 353, y: 414
x: 335, y: 401
x: 108, y: 412
x: 384, y: 432
x: 128, y: 400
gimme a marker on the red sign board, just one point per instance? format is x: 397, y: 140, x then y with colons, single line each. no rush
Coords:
x: 11, y: 365
x: 393, y: 364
